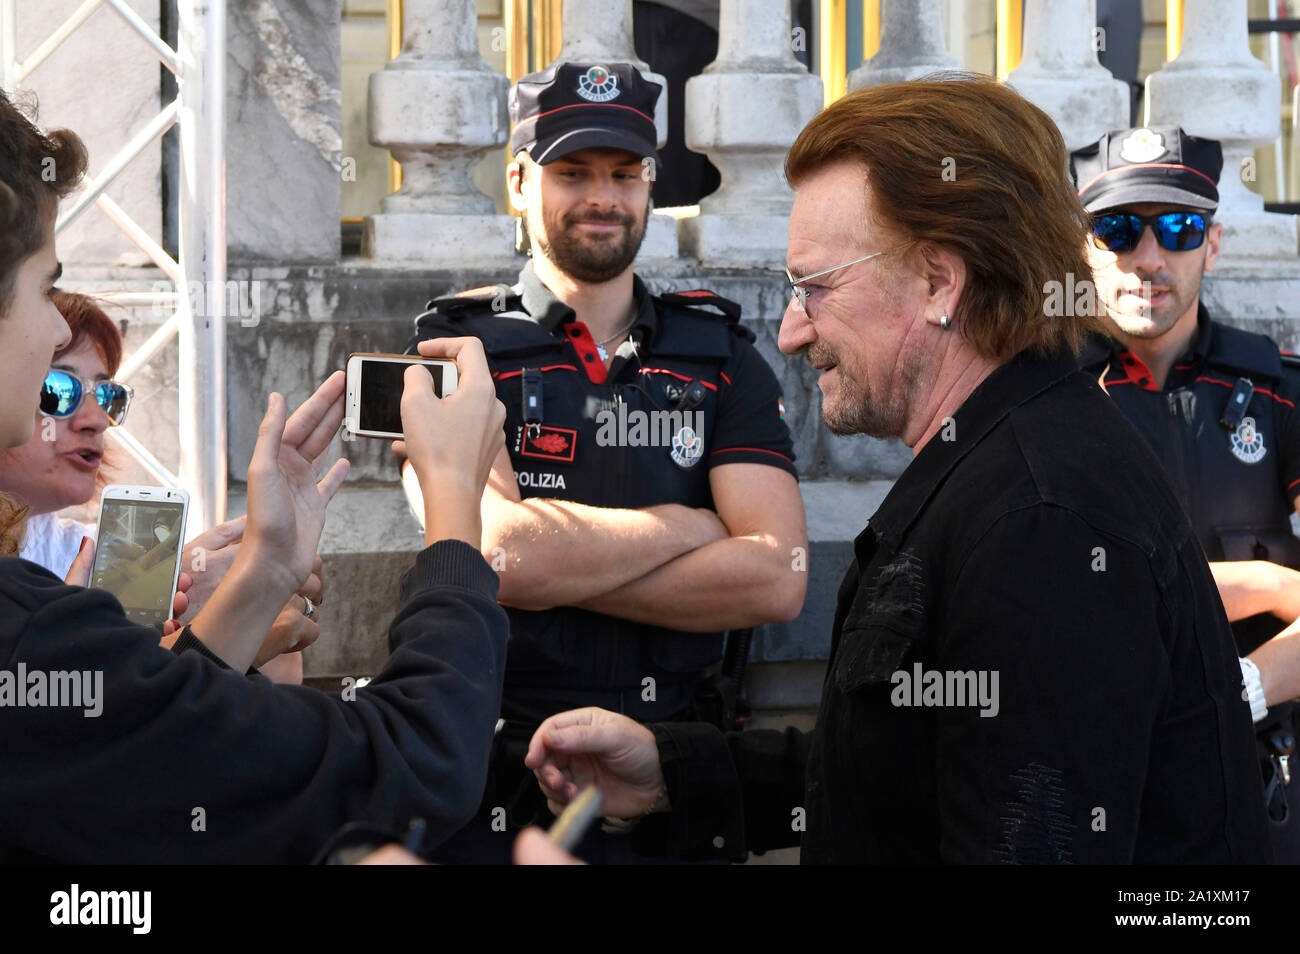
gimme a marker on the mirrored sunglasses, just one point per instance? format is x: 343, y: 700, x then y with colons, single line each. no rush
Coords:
x: 1174, y: 231
x: 62, y: 392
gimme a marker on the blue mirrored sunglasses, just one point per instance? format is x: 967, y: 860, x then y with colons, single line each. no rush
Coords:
x: 1174, y: 231
x: 62, y: 392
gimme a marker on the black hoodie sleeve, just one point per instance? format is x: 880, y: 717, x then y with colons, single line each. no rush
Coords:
x: 165, y: 758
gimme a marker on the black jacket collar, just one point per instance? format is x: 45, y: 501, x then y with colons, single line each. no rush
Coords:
x: 1007, y: 387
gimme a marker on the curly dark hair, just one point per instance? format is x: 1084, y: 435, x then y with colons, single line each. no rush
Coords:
x: 37, y: 169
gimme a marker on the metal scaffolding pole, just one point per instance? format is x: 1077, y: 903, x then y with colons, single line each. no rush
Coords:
x: 8, y: 44
x: 199, y: 320
x: 201, y: 51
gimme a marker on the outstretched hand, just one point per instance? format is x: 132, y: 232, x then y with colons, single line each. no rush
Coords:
x: 286, y: 504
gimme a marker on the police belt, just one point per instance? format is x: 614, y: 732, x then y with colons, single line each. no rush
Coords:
x: 1275, y: 737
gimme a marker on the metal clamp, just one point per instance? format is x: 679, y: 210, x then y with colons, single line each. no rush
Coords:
x: 532, y: 407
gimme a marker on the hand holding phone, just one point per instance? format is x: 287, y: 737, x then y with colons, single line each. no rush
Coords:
x: 375, y: 386
x: 452, y: 441
x: 137, y: 552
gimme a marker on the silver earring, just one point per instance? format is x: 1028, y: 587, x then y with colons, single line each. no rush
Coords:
x: 943, y: 322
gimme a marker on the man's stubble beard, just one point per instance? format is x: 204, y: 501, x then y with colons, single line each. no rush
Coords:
x: 856, y: 410
x: 592, y: 262
x: 1150, y: 326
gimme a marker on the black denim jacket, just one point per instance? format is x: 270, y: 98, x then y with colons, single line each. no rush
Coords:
x: 1030, y: 663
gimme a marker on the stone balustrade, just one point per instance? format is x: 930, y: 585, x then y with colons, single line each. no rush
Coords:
x: 1216, y: 89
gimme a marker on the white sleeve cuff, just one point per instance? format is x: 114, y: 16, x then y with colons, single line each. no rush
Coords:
x: 1254, y: 693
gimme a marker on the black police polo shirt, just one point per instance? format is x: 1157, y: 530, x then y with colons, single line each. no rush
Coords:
x: 687, y: 393
x: 1235, y: 464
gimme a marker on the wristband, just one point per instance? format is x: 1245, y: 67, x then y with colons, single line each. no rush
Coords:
x: 1254, y: 689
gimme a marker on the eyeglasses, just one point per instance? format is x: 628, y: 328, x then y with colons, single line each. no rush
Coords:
x: 1174, y: 231
x: 801, y: 294
x: 62, y: 392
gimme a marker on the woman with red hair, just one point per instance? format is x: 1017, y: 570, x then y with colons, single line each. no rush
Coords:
x: 62, y: 465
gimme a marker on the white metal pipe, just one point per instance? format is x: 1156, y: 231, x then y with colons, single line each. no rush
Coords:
x: 54, y: 39
x: 155, y: 343
x: 130, y: 299
x: 157, y: 126
x: 142, y: 239
x: 164, y: 52
x: 1275, y: 57
x: 8, y: 44
x: 146, y: 460
x: 201, y: 49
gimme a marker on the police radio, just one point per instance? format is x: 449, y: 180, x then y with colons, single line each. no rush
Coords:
x: 692, y: 396
x: 1238, y: 402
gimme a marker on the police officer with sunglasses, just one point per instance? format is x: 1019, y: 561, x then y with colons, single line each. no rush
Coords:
x: 1216, y: 404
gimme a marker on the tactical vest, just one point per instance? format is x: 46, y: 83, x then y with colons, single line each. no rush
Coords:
x: 608, y: 439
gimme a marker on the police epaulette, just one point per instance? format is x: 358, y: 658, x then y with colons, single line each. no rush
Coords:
x: 496, y: 297
x: 1289, y: 360
x: 698, y: 298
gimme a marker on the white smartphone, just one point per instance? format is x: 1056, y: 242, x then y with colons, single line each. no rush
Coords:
x: 138, y: 549
x: 374, y: 391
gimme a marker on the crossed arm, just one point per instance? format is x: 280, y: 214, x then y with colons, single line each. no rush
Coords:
x: 667, y: 565
x: 1248, y: 587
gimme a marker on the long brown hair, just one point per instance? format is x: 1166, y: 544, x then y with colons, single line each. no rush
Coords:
x: 965, y: 162
x: 36, y: 170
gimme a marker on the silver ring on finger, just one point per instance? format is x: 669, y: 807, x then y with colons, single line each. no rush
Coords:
x: 309, y: 608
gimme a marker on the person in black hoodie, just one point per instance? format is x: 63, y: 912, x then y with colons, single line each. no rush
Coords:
x: 113, y: 749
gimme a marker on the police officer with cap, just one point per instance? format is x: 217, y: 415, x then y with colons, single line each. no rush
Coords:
x: 646, y: 500
x: 1216, y: 404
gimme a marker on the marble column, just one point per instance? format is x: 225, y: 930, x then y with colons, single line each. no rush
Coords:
x: 438, y: 107
x: 1218, y: 90
x: 744, y: 111
x: 1060, y: 74
x: 911, y: 45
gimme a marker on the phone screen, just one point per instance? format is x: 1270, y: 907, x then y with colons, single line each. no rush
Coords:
x: 135, y: 555
x: 381, y: 393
